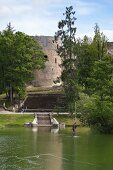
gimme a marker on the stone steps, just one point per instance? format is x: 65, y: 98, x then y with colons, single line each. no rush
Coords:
x: 43, y: 120
x: 43, y: 102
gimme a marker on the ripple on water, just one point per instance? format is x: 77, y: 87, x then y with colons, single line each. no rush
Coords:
x: 28, y: 162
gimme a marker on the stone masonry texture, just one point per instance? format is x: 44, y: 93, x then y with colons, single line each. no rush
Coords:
x: 47, y: 77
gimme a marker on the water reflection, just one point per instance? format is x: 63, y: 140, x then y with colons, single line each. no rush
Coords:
x: 45, y: 129
x: 50, y: 149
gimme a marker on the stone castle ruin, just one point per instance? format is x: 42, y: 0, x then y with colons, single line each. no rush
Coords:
x: 110, y: 48
x: 48, y: 76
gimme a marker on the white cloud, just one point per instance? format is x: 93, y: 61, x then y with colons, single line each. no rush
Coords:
x: 108, y: 34
x: 90, y: 34
x: 21, y: 8
x: 86, y: 8
x: 6, y: 10
x: 45, y: 2
x: 35, y: 26
x: 41, y: 16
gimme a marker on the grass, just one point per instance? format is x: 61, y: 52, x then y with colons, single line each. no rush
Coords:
x: 2, y: 96
x: 20, y: 119
x: 68, y: 120
x: 79, y: 131
x: 14, y: 119
x: 44, y: 90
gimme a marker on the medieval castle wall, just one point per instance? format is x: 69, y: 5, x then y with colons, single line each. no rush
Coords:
x: 110, y: 48
x: 48, y: 76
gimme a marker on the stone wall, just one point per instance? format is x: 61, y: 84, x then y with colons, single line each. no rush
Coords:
x: 48, y: 76
x: 110, y: 48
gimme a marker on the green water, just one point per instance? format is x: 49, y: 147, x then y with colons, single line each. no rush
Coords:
x: 43, y: 149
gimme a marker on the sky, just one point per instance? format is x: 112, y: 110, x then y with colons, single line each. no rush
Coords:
x: 41, y: 17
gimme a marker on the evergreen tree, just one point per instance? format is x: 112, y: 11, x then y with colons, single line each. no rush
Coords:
x: 66, y: 36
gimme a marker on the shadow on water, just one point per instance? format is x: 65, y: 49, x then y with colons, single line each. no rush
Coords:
x: 49, y: 149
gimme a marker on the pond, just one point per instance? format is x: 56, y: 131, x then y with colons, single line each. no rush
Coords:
x: 46, y: 149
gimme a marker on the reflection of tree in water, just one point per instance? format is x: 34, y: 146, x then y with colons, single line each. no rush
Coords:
x: 49, y: 148
x: 24, y: 149
x: 70, y: 152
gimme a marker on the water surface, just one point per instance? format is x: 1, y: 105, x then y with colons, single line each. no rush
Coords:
x: 43, y: 149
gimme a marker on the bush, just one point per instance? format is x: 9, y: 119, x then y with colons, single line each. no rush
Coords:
x: 101, y: 117
x: 97, y: 114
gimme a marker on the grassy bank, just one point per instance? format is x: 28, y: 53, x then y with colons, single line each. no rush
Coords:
x: 14, y: 119
x: 66, y: 119
x: 19, y: 119
x: 44, y: 90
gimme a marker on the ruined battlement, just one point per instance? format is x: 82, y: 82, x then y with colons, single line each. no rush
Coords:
x: 48, y: 76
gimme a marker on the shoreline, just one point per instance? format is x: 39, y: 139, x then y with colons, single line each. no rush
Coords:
x: 19, y: 119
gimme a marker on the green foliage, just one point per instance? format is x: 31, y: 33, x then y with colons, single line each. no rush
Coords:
x: 95, y: 75
x: 87, y: 64
x: 101, y: 81
x: 20, y: 54
x: 89, y: 54
x: 96, y: 114
x: 85, y: 55
x: 66, y: 34
x: 99, y: 43
x: 102, y: 117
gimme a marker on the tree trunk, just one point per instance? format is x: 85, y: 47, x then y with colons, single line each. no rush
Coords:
x: 11, y: 93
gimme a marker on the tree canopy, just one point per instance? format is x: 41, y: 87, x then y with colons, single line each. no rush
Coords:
x: 20, y: 54
x: 86, y: 64
x: 95, y: 75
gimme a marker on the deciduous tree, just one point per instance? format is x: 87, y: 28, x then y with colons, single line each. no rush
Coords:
x: 20, y: 54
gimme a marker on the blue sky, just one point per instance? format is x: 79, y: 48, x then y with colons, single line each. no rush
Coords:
x: 40, y: 17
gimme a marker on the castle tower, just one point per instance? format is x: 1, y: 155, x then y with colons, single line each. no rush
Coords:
x: 47, y: 77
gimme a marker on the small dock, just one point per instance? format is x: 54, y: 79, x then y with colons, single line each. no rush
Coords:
x: 44, y: 120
